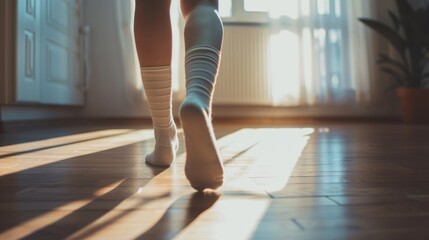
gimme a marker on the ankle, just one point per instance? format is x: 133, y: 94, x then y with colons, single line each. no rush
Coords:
x: 166, y: 136
x: 195, y: 101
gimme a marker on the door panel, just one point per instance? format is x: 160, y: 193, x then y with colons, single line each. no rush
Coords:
x: 60, y: 52
x: 28, y: 66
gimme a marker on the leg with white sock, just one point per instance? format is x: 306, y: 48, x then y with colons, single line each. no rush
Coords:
x: 157, y: 84
x: 154, y: 42
x: 203, y: 40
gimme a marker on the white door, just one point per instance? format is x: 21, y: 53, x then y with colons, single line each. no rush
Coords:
x: 28, y: 52
x: 55, y: 48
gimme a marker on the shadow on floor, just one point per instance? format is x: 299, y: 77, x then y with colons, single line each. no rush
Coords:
x: 44, y: 189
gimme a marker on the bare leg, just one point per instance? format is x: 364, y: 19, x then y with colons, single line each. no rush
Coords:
x: 154, y: 42
x: 152, y: 31
x: 203, y: 40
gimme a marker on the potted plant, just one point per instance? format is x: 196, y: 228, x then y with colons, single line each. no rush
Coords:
x: 410, y: 39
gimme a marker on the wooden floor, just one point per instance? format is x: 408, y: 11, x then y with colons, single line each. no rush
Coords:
x: 332, y: 181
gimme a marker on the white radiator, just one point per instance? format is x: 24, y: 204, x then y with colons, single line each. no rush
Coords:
x: 243, y: 73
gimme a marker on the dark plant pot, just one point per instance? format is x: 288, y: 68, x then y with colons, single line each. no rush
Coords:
x: 414, y: 104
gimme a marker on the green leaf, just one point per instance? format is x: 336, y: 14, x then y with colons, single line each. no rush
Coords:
x: 404, y: 8
x: 393, y: 37
x: 394, y: 75
x: 395, y: 20
x: 384, y: 59
x: 405, y: 13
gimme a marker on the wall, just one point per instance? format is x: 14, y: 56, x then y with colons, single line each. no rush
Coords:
x: 115, y: 88
x: 12, y: 113
x: 112, y: 66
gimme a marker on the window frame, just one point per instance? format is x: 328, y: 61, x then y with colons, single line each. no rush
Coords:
x: 240, y: 16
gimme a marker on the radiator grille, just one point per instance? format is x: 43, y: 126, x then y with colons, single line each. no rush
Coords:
x: 243, y: 72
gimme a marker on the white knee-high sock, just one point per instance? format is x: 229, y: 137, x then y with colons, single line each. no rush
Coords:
x: 203, y: 166
x: 157, y: 86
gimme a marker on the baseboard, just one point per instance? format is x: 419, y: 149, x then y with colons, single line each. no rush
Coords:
x: 144, y: 122
x: 28, y: 125
x: 304, y: 120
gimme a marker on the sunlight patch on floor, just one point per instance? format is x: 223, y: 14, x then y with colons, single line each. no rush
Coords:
x: 273, y: 153
x: 25, y: 161
x: 40, y: 144
x: 32, y: 225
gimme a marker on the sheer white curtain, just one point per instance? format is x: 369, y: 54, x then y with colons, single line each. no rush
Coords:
x: 362, y: 49
x: 318, y: 51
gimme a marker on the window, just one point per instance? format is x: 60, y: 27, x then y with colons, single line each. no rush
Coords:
x: 308, y: 47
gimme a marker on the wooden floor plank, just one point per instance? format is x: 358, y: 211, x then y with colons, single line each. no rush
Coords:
x: 331, y: 181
